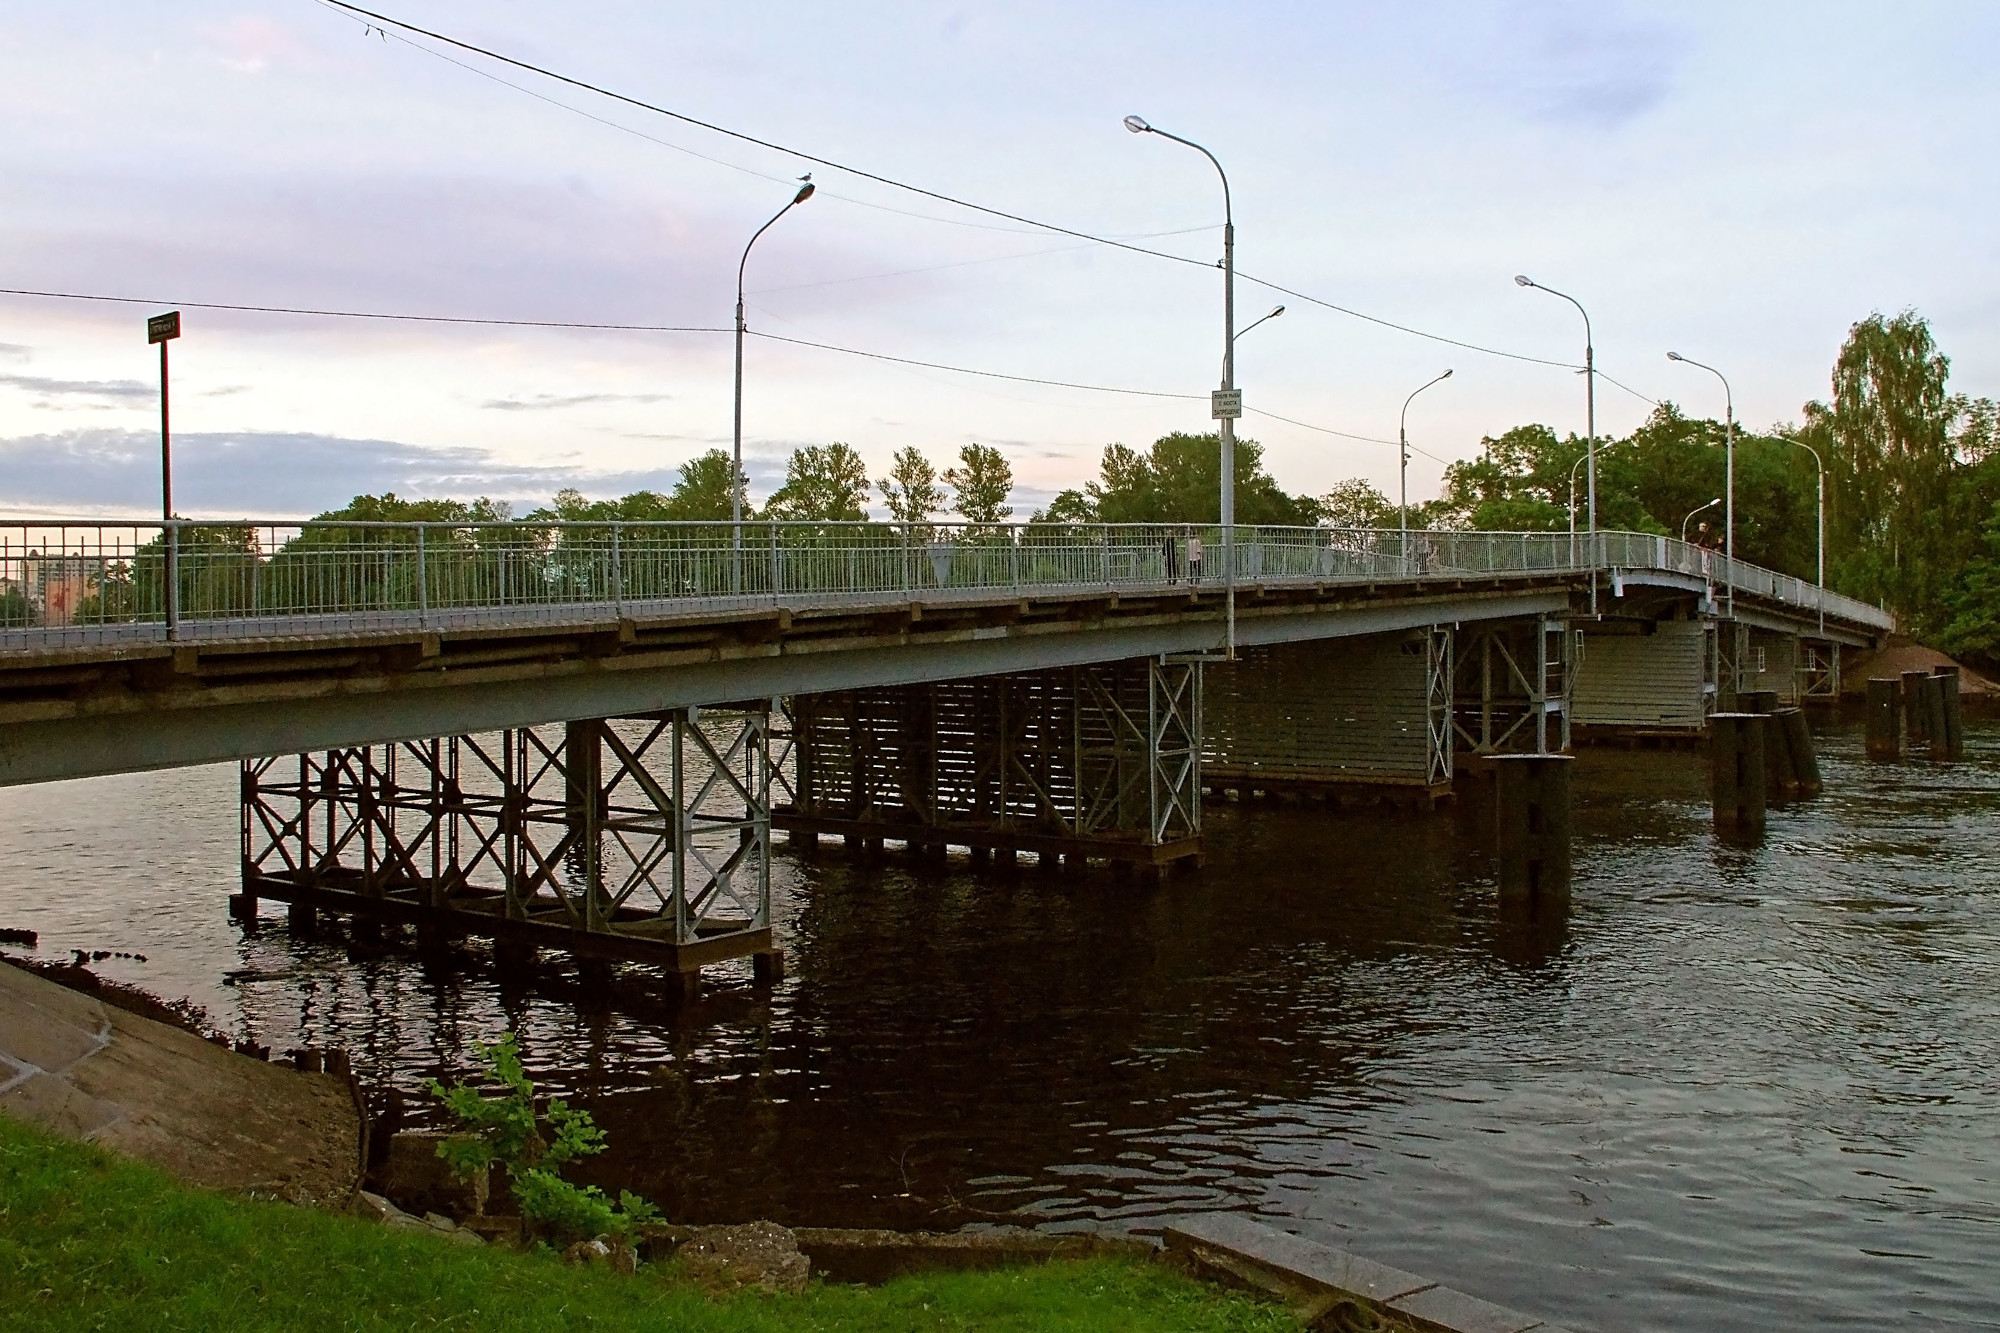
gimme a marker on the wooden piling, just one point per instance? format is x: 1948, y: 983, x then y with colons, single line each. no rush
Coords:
x: 1736, y: 770
x: 1781, y: 778
x: 1801, y: 751
x: 1757, y: 701
x: 767, y: 966
x: 1937, y: 729
x: 1532, y: 829
x: 1954, y: 719
x: 302, y: 919
x: 1885, y: 719
x: 1916, y: 709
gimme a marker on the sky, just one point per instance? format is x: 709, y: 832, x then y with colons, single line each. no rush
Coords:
x: 1739, y: 183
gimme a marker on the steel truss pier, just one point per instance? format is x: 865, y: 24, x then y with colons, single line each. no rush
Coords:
x: 1074, y: 764
x: 1512, y: 688
x: 1368, y: 715
x: 638, y: 839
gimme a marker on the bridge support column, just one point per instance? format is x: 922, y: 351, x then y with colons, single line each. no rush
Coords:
x: 1333, y: 716
x: 1736, y: 771
x: 1532, y: 830
x: 1885, y: 719
x: 641, y: 839
x: 1096, y: 762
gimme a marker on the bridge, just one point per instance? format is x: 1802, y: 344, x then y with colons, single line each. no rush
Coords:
x: 583, y: 734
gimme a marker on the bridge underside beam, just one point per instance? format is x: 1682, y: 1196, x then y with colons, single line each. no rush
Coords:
x: 636, y: 839
x: 1088, y: 762
x: 236, y: 706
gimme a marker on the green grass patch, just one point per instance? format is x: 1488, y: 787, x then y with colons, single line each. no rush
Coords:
x: 93, y: 1241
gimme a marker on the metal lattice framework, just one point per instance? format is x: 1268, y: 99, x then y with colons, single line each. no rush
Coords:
x: 1097, y: 761
x: 639, y: 838
x: 1512, y: 685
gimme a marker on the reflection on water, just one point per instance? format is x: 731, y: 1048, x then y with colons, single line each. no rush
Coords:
x: 1739, y: 1087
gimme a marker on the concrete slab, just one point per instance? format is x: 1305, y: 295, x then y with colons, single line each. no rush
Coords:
x: 87, y: 1070
x: 1449, y: 1311
x: 1309, y: 1275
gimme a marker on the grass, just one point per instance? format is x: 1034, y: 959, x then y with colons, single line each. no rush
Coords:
x: 89, y: 1240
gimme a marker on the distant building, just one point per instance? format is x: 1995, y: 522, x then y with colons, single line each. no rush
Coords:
x: 56, y: 585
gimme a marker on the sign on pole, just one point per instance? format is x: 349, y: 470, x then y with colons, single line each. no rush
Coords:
x: 162, y: 327
x: 1226, y: 404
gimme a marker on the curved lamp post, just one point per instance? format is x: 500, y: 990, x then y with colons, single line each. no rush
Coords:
x: 1403, y: 449
x: 1729, y: 468
x: 1589, y: 386
x: 736, y: 448
x: 1138, y: 125
x: 1703, y: 509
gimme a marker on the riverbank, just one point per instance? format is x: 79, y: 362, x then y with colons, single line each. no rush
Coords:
x: 94, y: 1241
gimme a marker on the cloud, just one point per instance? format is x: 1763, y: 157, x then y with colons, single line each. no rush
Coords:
x: 548, y: 401
x: 1571, y: 61
x: 14, y: 351
x: 81, y: 388
x: 269, y: 473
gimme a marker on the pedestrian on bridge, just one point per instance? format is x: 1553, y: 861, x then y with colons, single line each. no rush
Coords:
x: 1194, y: 558
x: 1170, y: 557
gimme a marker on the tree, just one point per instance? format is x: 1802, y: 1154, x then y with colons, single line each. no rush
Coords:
x: 1355, y: 503
x: 1179, y: 480
x: 911, y: 489
x: 703, y: 491
x: 826, y: 482
x: 981, y: 485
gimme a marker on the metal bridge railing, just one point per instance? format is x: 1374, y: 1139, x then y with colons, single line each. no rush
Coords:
x: 92, y: 582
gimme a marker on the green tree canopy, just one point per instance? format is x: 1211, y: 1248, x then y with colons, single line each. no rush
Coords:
x: 911, y: 489
x: 823, y: 482
x: 981, y: 484
x: 1179, y: 480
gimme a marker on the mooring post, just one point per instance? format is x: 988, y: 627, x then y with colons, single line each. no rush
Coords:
x: 1885, y: 719
x: 1954, y: 719
x: 1916, y: 712
x: 767, y: 966
x: 1936, y: 727
x: 1532, y: 829
x: 1801, y: 754
x: 1736, y: 770
x: 1757, y: 701
x: 302, y: 920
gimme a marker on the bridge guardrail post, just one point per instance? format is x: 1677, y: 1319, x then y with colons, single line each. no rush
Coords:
x: 423, y: 583
x: 617, y: 575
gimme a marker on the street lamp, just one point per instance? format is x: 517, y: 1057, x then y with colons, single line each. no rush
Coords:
x: 1259, y: 320
x: 1224, y: 406
x: 1820, y: 468
x: 1692, y: 512
x: 1589, y: 386
x: 1403, y: 449
x: 1729, y: 469
x: 736, y: 450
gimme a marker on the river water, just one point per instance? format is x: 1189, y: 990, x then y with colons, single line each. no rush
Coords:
x: 1737, y: 1088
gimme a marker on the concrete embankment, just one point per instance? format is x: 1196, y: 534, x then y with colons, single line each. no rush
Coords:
x: 87, y: 1070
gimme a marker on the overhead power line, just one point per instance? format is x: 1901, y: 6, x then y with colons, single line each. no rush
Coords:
x: 661, y: 328
x: 376, y: 17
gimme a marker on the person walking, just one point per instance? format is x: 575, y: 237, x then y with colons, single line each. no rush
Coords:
x: 1170, y: 557
x: 1194, y: 558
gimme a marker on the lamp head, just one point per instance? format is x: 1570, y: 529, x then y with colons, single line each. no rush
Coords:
x: 1275, y: 313
x: 1138, y: 125
x: 1445, y: 376
x: 1523, y: 280
x: 1675, y: 356
x: 805, y: 193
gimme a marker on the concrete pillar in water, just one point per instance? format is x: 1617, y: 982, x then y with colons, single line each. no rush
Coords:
x: 1736, y: 770
x: 302, y: 919
x: 767, y: 966
x: 513, y: 959
x: 1532, y: 828
x: 1756, y: 701
x: 1885, y: 719
x: 1937, y: 727
x: 1953, y: 718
